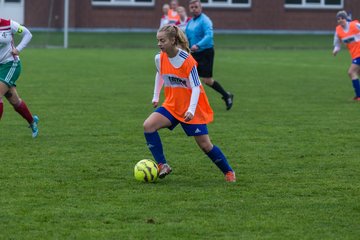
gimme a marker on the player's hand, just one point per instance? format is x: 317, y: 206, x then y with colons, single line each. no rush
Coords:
x: 155, y: 104
x: 194, y: 48
x: 14, y: 51
x: 188, y: 116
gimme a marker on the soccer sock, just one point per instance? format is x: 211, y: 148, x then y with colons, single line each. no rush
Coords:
x: 154, y: 144
x: 1, y: 108
x: 356, y: 85
x: 23, y: 110
x: 219, y: 159
x: 217, y: 87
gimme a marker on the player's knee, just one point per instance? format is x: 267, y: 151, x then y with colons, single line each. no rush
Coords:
x: 15, y: 102
x: 206, y: 147
x: 145, y: 126
x: 148, y: 127
x: 208, y: 81
x: 352, y: 74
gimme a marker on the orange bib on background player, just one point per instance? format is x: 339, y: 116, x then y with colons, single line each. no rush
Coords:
x: 351, y: 38
x: 173, y: 16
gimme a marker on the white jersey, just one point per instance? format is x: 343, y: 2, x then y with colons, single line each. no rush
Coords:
x: 7, y: 30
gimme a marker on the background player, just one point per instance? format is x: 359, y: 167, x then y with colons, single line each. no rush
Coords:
x: 347, y: 32
x: 10, y: 68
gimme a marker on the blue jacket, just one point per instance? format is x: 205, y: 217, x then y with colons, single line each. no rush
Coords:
x: 199, y: 31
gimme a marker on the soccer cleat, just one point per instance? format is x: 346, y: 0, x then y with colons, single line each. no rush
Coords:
x: 230, y: 176
x: 228, y: 100
x: 356, y: 98
x: 164, y: 169
x: 34, y: 127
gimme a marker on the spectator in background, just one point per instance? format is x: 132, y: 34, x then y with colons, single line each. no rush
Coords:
x: 164, y: 19
x: 173, y: 16
x: 184, y: 19
x: 347, y: 33
x: 199, y: 32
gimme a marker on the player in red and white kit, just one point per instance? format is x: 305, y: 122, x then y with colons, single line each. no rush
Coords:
x: 184, y: 19
x: 10, y: 68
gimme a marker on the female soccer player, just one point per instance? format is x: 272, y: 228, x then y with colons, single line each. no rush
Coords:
x: 184, y: 19
x: 185, y: 101
x: 10, y: 68
x: 164, y: 18
x: 348, y: 32
x: 173, y: 16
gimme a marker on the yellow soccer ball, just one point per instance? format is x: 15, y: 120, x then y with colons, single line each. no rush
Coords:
x: 146, y: 170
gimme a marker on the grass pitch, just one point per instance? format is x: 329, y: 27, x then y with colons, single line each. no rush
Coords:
x: 291, y: 136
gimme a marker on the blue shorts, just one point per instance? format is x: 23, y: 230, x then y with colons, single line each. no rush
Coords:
x: 356, y: 61
x: 189, y: 129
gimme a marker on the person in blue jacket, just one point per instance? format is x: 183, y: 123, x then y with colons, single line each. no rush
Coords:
x: 199, y: 32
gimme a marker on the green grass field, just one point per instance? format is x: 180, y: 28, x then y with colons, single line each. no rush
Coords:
x: 292, y: 138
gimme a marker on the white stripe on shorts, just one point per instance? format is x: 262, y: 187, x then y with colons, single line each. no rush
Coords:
x: 11, y: 72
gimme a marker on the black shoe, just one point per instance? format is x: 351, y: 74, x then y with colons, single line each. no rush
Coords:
x: 228, y: 100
